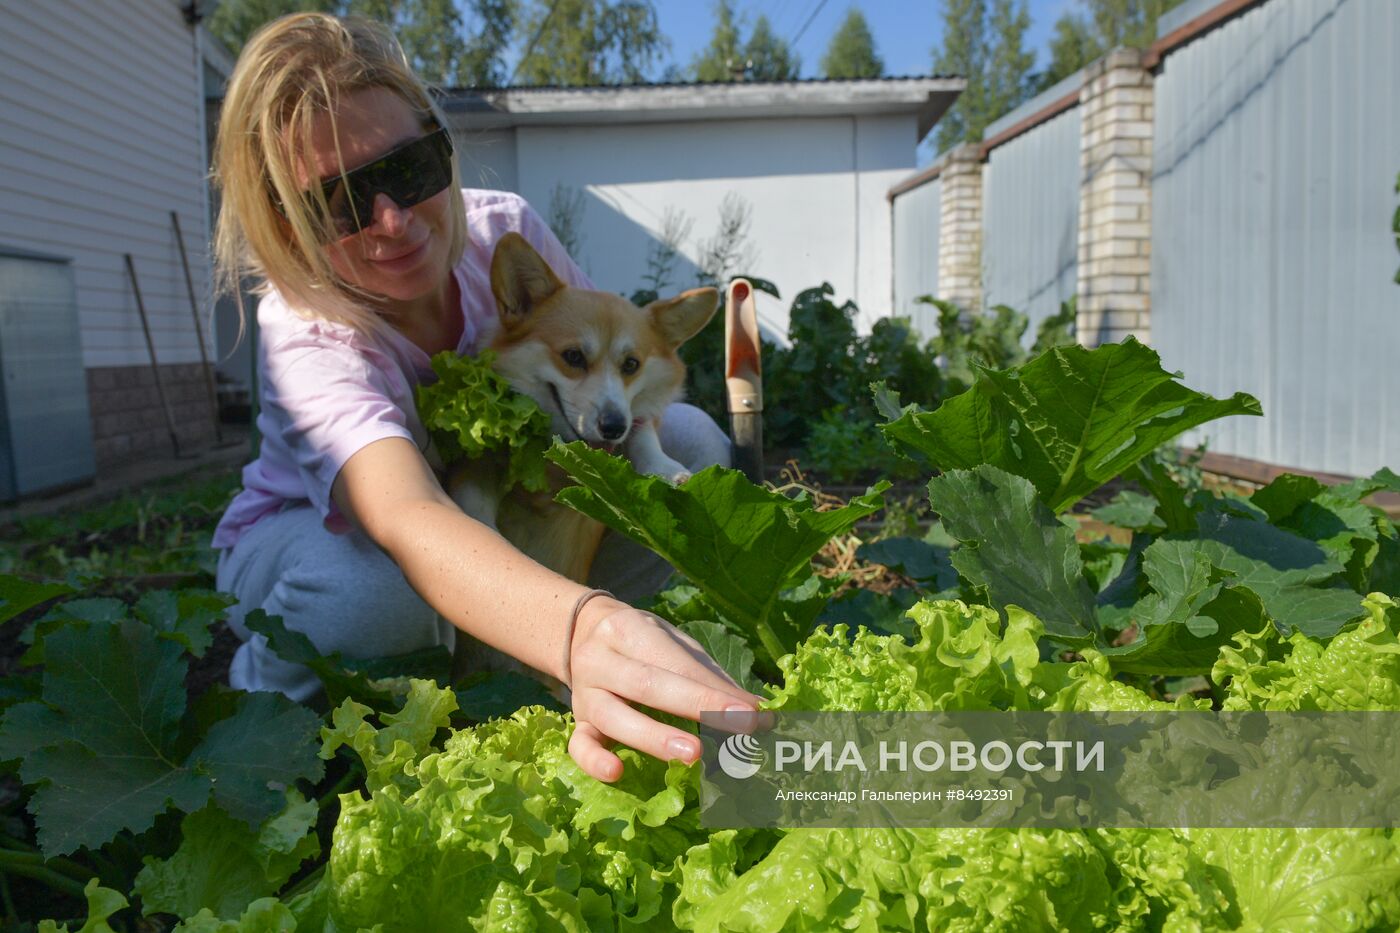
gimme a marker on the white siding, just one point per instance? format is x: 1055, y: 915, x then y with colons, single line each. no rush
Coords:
x: 816, y: 188
x: 101, y: 125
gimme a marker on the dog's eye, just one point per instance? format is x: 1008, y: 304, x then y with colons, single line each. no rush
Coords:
x: 630, y: 365
x: 575, y: 358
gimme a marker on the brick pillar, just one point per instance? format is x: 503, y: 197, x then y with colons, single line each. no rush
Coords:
x: 960, y: 228
x: 1115, y: 200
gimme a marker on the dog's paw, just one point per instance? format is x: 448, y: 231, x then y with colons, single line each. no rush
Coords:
x: 664, y: 467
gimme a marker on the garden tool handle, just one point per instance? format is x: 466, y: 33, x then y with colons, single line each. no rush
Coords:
x: 743, y: 378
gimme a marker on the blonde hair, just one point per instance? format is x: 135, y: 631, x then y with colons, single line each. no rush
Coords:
x: 293, y: 70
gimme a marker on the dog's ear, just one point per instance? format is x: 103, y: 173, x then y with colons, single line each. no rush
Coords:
x: 680, y: 318
x: 520, y: 278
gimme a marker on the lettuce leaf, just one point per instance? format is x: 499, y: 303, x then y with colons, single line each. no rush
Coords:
x: 470, y: 411
x: 101, y: 903
x: 1307, y: 879
x: 501, y: 829
x: 1357, y: 670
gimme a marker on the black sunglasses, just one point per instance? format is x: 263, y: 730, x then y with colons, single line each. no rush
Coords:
x: 408, y: 175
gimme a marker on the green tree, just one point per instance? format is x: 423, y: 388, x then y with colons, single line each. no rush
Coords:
x: 851, y: 53
x: 723, y: 55
x: 964, y: 53
x: 764, y: 57
x: 235, y: 21
x: 1071, y: 48
x: 1009, y: 80
x: 1085, y: 35
x: 433, y: 33
x: 767, y: 56
x: 584, y: 42
x: 481, y: 60
x: 435, y: 39
x: 988, y: 48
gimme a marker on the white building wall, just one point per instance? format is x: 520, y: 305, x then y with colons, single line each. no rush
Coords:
x: 101, y: 126
x: 917, y: 221
x: 815, y: 187
x: 488, y: 159
x: 884, y: 154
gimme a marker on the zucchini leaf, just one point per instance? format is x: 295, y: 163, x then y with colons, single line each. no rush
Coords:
x: 1014, y: 547
x: 105, y: 744
x: 1069, y: 420
x: 741, y: 544
x: 1191, y: 612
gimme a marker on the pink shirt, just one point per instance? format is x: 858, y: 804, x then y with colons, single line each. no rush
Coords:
x: 326, y: 390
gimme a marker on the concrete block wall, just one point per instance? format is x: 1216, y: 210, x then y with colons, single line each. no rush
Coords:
x: 128, y: 421
x: 1115, y: 200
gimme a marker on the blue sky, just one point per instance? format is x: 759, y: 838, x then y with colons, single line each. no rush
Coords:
x: 906, y: 31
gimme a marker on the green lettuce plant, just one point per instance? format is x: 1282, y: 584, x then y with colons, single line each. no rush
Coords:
x: 470, y: 411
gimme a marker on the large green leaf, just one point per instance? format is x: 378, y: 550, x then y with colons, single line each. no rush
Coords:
x: 265, y: 743
x: 1358, y: 535
x: 1187, y: 617
x: 17, y: 595
x: 729, y: 651
x: 338, y: 681
x: 184, y: 616
x: 1131, y: 510
x: 741, y: 544
x: 493, y: 694
x: 1293, y: 576
x: 1018, y: 550
x: 929, y: 562
x: 1069, y: 420
x: 223, y: 865
x: 105, y: 745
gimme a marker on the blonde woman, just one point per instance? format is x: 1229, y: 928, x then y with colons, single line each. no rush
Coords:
x: 339, y: 192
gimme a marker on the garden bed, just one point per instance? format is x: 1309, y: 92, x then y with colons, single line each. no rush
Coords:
x: 1077, y: 566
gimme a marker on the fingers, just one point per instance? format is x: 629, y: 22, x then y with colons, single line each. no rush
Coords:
x: 586, y: 747
x: 610, y: 716
x: 631, y: 635
x: 628, y: 656
x: 677, y: 693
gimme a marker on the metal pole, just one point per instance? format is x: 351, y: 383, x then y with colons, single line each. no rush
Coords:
x: 198, y: 331
x: 743, y: 382
x: 150, y: 345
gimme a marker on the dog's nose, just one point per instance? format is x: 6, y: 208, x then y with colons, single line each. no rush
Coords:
x: 612, y: 425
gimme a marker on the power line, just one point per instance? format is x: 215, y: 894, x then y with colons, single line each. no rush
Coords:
x: 793, y: 43
x: 533, y: 39
x: 797, y: 12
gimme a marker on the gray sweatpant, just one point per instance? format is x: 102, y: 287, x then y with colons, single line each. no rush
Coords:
x: 347, y: 595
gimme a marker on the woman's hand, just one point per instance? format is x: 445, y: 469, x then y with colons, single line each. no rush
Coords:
x: 620, y: 656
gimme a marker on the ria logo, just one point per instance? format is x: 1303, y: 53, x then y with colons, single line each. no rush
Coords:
x: 740, y: 756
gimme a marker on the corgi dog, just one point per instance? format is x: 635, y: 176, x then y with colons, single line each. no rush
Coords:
x: 604, y: 371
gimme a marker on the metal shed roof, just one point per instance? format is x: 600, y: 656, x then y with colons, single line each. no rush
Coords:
x: 481, y: 108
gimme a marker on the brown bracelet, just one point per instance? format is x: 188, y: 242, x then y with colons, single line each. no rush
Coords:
x: 568, y: 678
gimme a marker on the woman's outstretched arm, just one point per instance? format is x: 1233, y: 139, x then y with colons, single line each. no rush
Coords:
x: 478, y: 581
